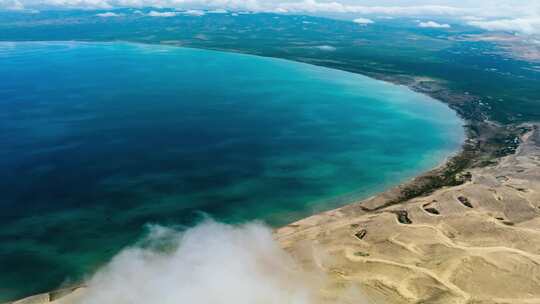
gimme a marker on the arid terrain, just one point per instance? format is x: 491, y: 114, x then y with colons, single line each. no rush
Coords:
x: 474, y: 243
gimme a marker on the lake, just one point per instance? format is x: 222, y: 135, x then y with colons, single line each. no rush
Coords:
x: 101, y: 139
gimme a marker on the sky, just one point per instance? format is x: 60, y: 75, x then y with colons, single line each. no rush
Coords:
x: 522, y: 16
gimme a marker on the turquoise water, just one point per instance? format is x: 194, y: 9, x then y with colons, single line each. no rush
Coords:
x: 100, y: 139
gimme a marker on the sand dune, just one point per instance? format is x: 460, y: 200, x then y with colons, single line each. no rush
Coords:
x: 474, y: 243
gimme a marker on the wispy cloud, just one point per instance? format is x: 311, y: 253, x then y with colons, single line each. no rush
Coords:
x: 530, y: 25
x: 382, y: 7
x: 512, y: 15
x: 109, y: 14
x: 162, y: 14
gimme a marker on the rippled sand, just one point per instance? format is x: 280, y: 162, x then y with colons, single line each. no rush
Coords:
x: 475, y: 243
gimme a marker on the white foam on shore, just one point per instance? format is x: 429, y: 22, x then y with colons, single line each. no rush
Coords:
x: 211, y: 263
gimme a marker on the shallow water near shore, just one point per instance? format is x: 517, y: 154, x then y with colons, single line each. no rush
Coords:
x: 100, y: 139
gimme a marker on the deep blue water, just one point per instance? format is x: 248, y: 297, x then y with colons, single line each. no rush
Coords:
x: 99, y: 139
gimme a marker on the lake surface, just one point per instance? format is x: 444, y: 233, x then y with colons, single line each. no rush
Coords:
x: 100, y: 139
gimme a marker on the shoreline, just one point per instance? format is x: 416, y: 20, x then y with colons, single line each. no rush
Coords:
x: 471, y: 243
x: 483, y: 145
x: 423, y: 249
x: 484, y: 141
x: 386, y: 199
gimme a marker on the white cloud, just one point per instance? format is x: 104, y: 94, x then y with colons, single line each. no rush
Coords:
x: 530, y: 25
x: 162, y: 14
x: 109, y: 14
x: 381, y: 7
x: 211, y: 263
x: 472, y: 18
x: 84, y: 4
x: 363, y: 21
x: 193, y: 13
x: 512, y: 15
x: 14, y: 5
x: 433, y: 24
x: 315, y: 6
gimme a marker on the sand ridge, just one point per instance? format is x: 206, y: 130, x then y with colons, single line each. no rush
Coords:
x: 474, y: 243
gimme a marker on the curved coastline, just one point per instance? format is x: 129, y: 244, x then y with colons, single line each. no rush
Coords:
x: 440, y: 163
x: 465, y: 243
x: 454, y: 162
x: 394, y: 192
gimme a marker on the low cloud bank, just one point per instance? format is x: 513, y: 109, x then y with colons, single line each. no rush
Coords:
x: 527, y: 25
x: 510, y: 15
x: 493, y: 8
x: 211, y: 263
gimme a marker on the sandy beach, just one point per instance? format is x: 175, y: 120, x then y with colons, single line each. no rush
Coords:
x: 473, y: 243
